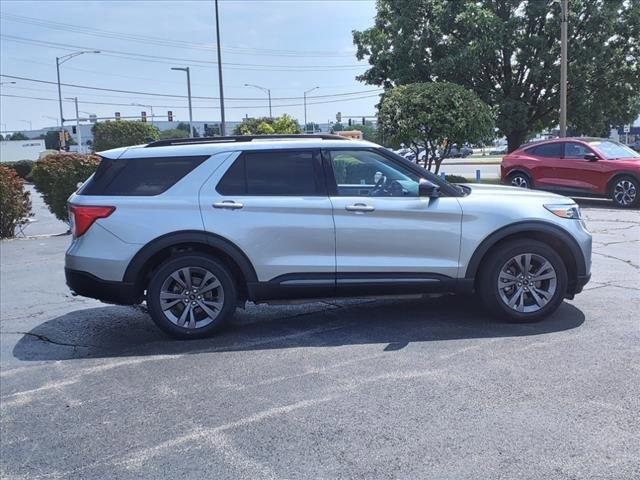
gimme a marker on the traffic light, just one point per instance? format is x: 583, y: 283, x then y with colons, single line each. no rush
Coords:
x: 339, y: 117
x: 170, y: 116
x: 349, y: 122
x: 66, y: 136
x: 61, y: 137
x: 117, y: 116
x: 74, y: 130
x: 363, y: 120
x: 143, y: 116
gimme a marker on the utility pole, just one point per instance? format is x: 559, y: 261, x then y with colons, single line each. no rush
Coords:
x: 305, y: 107
x: 186, y: 69
x: 75, y: 100
x: 223, y: 129
x: 564, y: 14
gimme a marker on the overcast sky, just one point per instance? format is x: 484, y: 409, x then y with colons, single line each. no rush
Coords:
x: 288, y: 46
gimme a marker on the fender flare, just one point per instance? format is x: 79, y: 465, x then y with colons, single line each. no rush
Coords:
x: 521, y: 227
x: 137, y: 264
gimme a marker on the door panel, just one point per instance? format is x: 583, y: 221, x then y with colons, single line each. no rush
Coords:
x: 576, y: 172
x: 280, y: 234
x: 546, y: 159
x: 382, y: 225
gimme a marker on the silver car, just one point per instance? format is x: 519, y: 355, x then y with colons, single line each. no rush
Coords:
x: 198, y: 227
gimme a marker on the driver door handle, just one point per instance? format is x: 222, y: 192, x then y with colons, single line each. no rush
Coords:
x: 228, y: 204
x: 360, y: 207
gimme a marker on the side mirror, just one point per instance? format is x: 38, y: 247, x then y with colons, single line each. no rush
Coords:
x: 592, y: 157
x: 428, y: 189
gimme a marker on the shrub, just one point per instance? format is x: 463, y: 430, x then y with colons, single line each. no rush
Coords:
x: 455, y: 179
x: 15, y: 205
x: 174, y: 133
x: 108, y: 135
x: 56, y: 177
x: 21, y: 167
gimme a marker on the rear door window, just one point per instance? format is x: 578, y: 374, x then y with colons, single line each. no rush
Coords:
x: 549, y: 150
x: 275, y: 173
x: 139, y: 176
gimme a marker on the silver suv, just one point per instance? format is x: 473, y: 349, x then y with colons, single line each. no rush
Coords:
x: 197, y: 227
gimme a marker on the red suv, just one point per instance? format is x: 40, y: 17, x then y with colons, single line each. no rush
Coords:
x: 581, y: 167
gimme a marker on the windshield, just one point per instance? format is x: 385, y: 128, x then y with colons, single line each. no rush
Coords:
x: 612, y: 150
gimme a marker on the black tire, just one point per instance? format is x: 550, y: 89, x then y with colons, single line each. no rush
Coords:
x: 625, y: 199
x: 519, y: 179
x: 198, y: 264
x: 489, y: 280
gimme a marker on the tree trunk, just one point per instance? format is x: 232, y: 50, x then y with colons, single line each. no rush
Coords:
x: 515, y: 139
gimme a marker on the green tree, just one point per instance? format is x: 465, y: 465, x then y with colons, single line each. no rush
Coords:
x: 108, y: 135
x: 312, y: 127
x: 434, y: 116
x: 52, y: 140
x: 337, y: 127
x: 183, y: 126
x: 17, y: 136
x: 265, y: 126
x: 369, y: 132
x: 507, y: 52
x: 174, y: 133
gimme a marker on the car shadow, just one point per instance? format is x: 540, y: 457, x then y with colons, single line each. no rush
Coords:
x: 116, y: 331
x: 603, y: 203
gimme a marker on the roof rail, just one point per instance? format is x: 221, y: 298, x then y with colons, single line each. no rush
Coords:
x: 239, y: 138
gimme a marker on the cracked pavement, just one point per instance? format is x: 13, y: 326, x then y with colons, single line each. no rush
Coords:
x: 429, y: 388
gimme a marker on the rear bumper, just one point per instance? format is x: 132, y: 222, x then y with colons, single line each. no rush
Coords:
x: 88, y: 285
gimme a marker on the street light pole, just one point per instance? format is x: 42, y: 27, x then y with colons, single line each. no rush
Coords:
x: 268, y: 90
x: 223, y: 129
x: 60, y: 61
x: 186, y: 69
x: 305, y: 107
x: 564, y: 14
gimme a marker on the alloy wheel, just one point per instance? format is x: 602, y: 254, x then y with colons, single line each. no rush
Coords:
x: 519, y: 181
x: 527, y: 282
x: 191, y: 297
x: 624, y: 193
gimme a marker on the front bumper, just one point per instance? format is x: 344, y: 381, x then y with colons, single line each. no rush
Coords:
x: 581, y: 281
x: 88, y: 285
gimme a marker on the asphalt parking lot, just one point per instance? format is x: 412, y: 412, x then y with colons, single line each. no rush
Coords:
x: 429, y: 388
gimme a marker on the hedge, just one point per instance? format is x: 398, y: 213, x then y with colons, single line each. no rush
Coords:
x: 22, y: 167
x: 56, y: 177
x: 15, y: 205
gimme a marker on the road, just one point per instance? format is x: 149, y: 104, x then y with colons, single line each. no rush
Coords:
x: 363, y: 388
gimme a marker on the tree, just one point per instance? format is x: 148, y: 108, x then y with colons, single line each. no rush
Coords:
x: 175, y: 133
x: 312, y: 127
x: 183, y: 126
x: 108, y: 135
x: 52, y: 140
x: 337, y: 127
x: 265, y: 126
x: 507, y: 52
x: 369, y: 132
x: 17, y: 136
x: 434, y: 116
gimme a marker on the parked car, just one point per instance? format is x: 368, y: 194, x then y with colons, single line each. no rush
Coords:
x: 197, y: 227
x: 635, y: 146
x: 498, y: 150
x: 591, y: 167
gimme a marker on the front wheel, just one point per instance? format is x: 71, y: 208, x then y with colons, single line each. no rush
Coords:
x: 523, y: 280
x: 518, y: 179
x: 191, y: 296
x: 624, y: 192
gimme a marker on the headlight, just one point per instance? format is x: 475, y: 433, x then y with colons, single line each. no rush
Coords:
x: 571, y: 211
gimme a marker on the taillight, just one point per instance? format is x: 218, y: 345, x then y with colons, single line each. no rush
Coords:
x: 83, y: 217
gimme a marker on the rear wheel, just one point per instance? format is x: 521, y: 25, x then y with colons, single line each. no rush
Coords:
x: 523, y: 280
x: 191, y: 296
x: 519, y: 179
x: 624, y: 192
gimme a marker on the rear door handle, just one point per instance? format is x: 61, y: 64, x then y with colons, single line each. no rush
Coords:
x: 228, y: 204
x: 360, y: 207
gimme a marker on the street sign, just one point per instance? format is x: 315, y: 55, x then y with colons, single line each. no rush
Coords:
x: 143, y: 116
x: 170, y: 116
x: 339, y: 117
x: 94, y: 118
x: 627, y: 128
x: 117, y: 116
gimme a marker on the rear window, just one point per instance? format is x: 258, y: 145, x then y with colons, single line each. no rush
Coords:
x: 553, y: 150
x: 283, y: 173
x: 139, y: 176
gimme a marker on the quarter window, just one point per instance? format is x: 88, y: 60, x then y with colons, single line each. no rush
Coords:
x: 280, y: 173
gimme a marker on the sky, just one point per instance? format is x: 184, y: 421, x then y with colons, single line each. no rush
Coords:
x: 288, y: 46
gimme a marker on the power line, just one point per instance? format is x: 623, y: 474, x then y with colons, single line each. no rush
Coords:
x: 96, y: 32
x: 201, y: 63
x: 167, y: 95
x: 183, y: 106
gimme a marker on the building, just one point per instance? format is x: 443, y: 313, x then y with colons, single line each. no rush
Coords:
x: 14, y: 150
